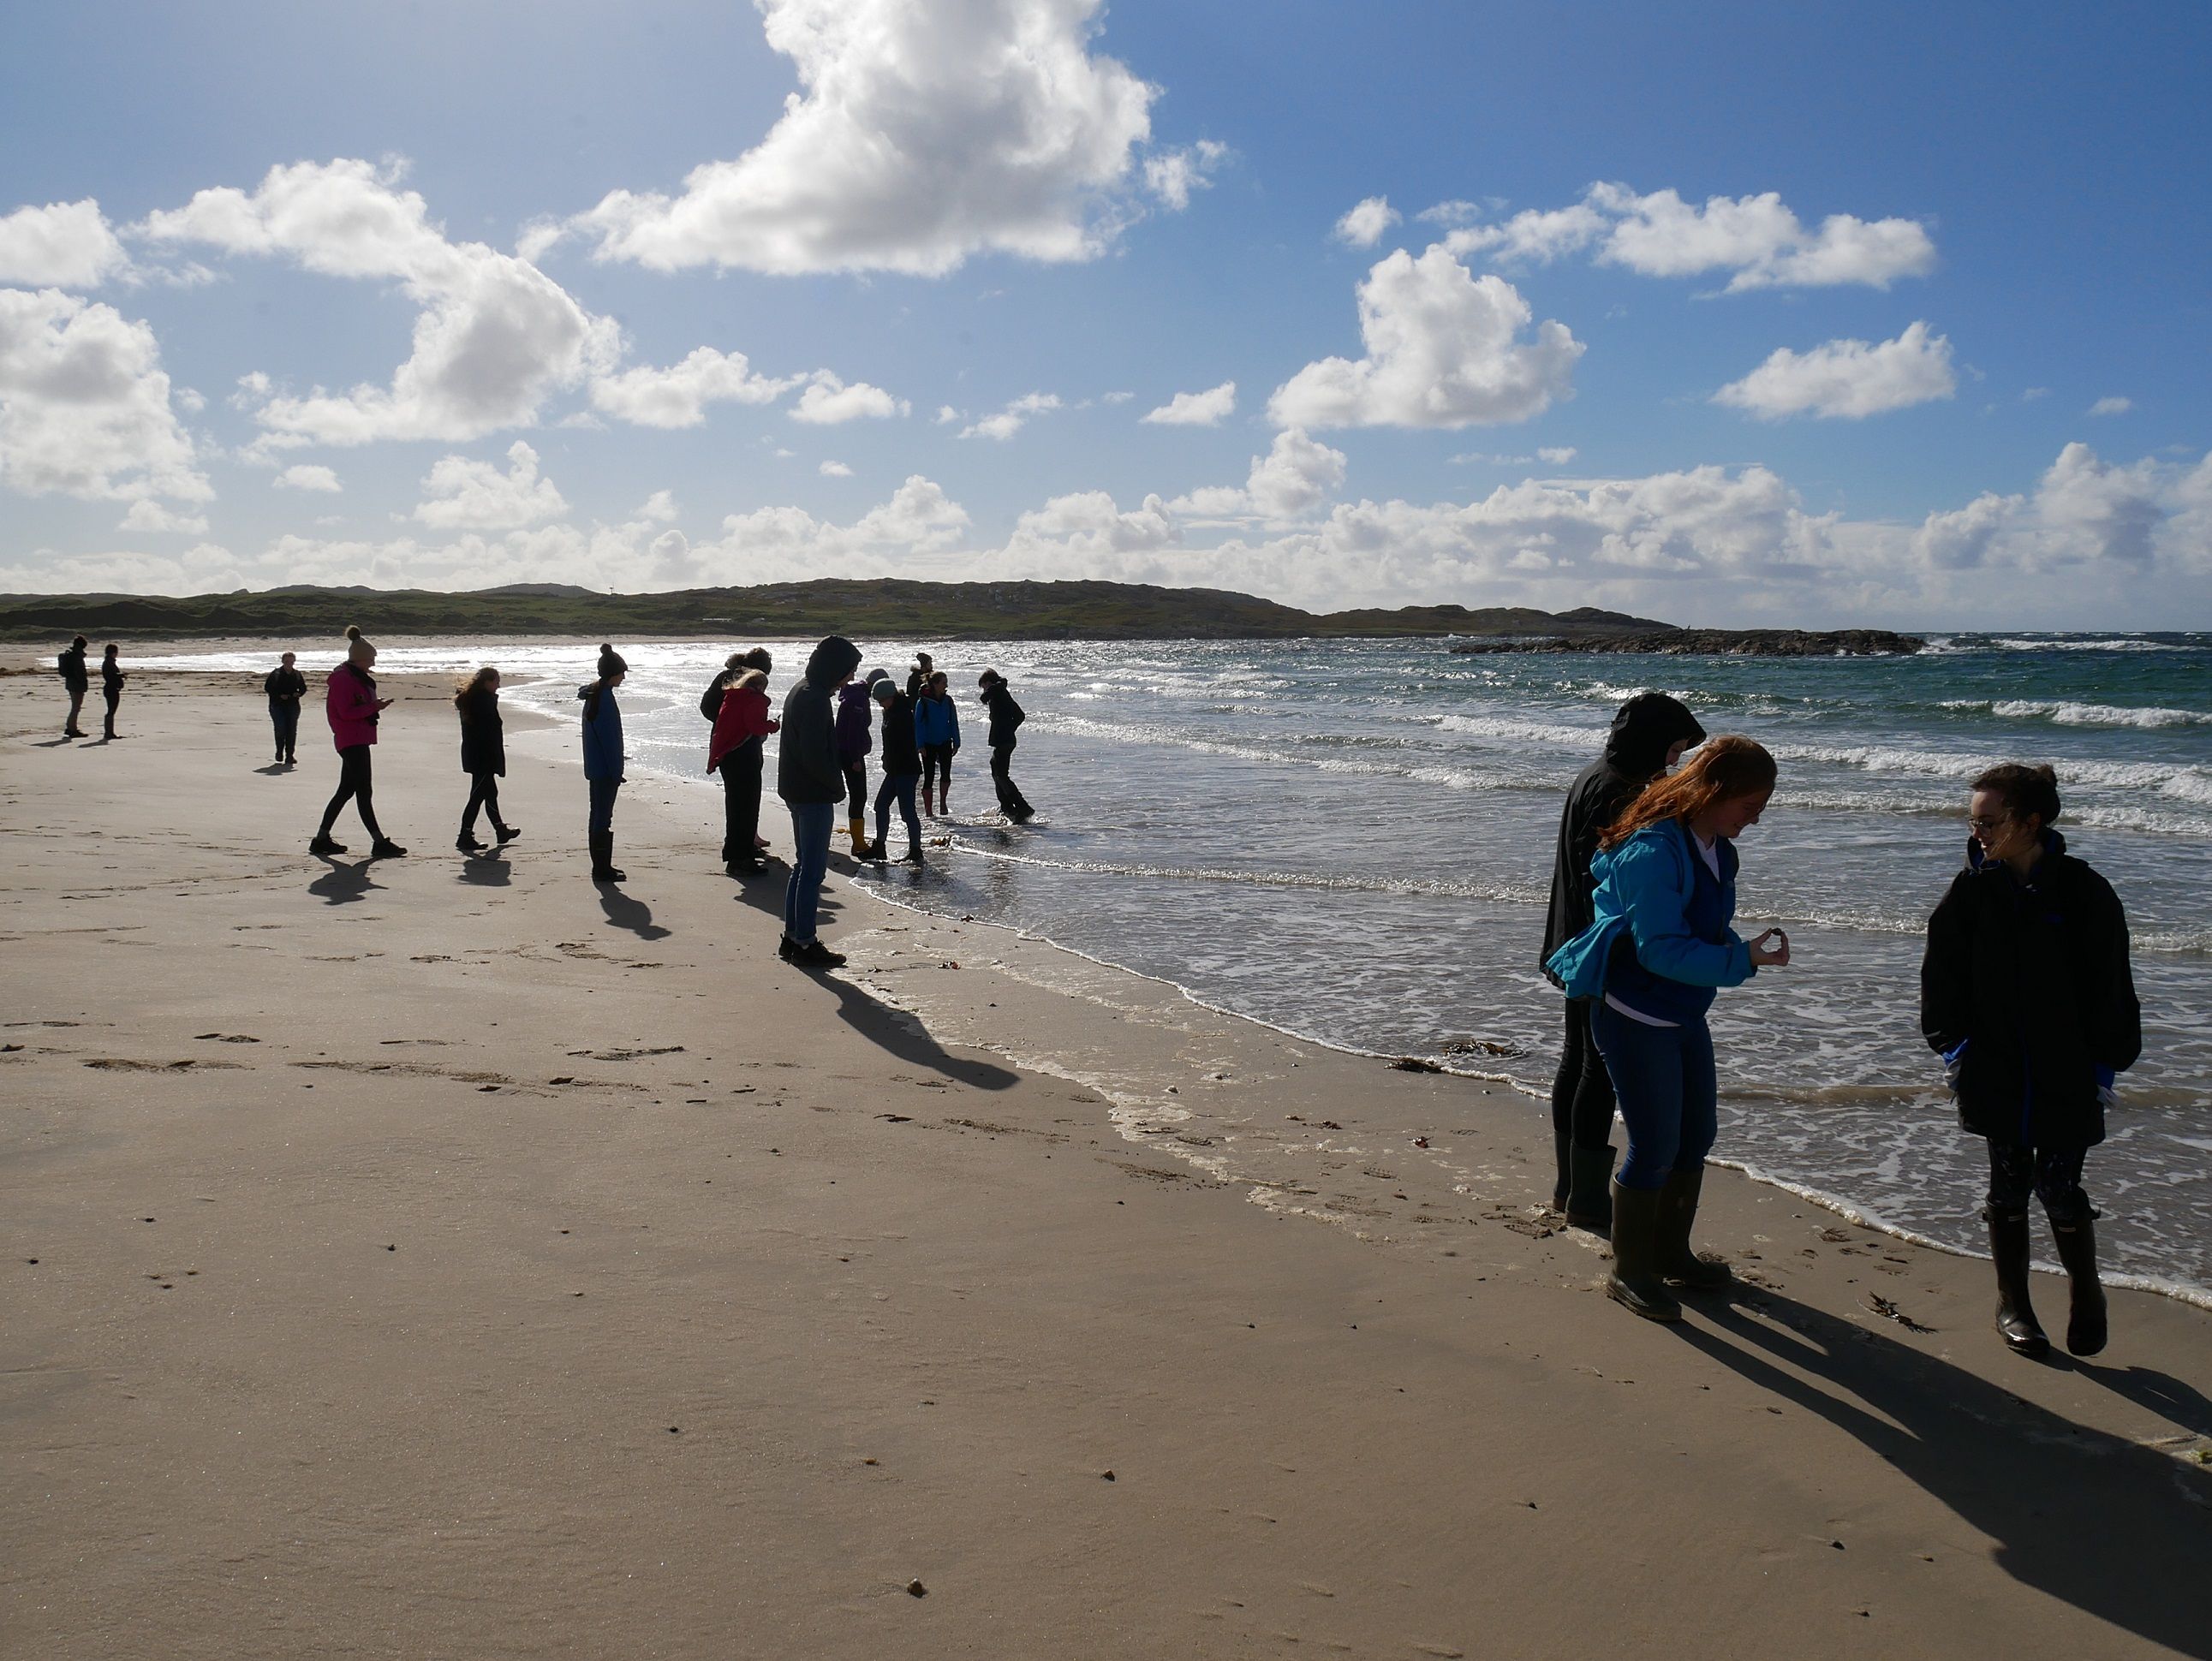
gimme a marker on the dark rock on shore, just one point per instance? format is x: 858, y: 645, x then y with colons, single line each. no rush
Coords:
x: 1722, y: 642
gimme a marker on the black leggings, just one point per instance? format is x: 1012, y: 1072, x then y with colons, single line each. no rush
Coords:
x: 856, y: 790
x: 483, y: 792
x: 741, y: 798
x: 2053, y: 1175
x: 937, y: 769
x: 1011, y: 802
x: 1581, y: 1091
x: 353, y: 786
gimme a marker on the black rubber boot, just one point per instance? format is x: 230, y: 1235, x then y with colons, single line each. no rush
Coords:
x: 603, y: 858
x: 1563, y: 1144
x: 1589, y: 1189
x: 2016, y: 1322
x: 1679, y: 1262
x: 1635, y: 1280
x: 2085, y: 1323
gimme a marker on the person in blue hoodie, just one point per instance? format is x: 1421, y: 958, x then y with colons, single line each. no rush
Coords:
x: 603, y: 759
x: 2026, y: 994
x: 937, y: 730
x: 1659, y: 946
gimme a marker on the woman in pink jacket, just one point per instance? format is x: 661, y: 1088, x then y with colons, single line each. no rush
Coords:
x: 353, y: 707
x: 734, y: 751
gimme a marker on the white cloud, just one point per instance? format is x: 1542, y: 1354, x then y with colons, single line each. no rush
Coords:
x: 463, y: 494
x: 829, y: 400
x: 1532, y: 235
x: 776, y: 543
x: 1297, y: 474
x: 835, y: 469
x: 1115, y: 398
x: 2029, y: 394
x: 1170, y: 175
x: 679, y: 395
x: 947, y: 414
x: 1847, y: 378
x: 494, y: 335
x: 2112, y: 406
x: 1207, y: 409
x: 1442, y: 350
x: 84, y: 405
x: 1557, y: 455
x: 1011, y: 419
x: 308, y: 477
x: 63, y: 245
x: 147, y: 514
x: 1363, y: 223
x: 660, y: 508
x: 923, y: 134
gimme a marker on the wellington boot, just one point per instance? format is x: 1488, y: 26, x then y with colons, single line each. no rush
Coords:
x: 860, y: 831
x: 1679, y: 1262
x: 912, y: 854
x: 1562, y: 1155
x: 873, y: 854
x: 603, y: 858
x: 1634, y: 1281
x: 1590, y: 1179
x: 2085, y: 1323
x: 2016, y: 1322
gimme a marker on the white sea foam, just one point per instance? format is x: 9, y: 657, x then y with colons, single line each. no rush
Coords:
x: 2066, y: 714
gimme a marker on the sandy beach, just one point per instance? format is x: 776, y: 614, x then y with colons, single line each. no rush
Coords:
x: 448, y: 1258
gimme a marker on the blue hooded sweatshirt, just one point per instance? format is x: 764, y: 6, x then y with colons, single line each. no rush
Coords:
x: 603, y: 733
x: 1661, y: 943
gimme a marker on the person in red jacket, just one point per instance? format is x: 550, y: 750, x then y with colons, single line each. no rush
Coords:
x: 734, y: 752
x: 352, y: 706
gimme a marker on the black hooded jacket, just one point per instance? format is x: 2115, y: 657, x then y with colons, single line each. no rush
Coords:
x: 483, y: 734
x: 806, y: 765
x: 73, y: 671
x: 2033, y: 978
x: 1005, y: 714
x: 1643, y: 730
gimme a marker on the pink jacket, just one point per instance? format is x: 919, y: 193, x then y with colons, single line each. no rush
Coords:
x: 744, y: 717
x: 351, y: 707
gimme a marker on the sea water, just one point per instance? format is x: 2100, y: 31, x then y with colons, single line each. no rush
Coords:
x: 1352, y: 840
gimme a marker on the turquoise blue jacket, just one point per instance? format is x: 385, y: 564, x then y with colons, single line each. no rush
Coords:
x: 1648, y: 888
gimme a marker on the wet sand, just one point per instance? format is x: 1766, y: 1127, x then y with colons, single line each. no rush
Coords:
x: 446, y: 1257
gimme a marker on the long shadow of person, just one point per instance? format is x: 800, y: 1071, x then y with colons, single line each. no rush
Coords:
x: 905, y: 1036
x: 275, y: 770
x: 53, y: 743
x: 341, y: 884
x: 487, y: 870
x: 764, y: 893
x: 625, y: 912
x: 2161, y: 1392
x: 2121, y: 1532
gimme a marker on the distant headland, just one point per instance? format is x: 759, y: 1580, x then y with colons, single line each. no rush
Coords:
x: 909, y: 610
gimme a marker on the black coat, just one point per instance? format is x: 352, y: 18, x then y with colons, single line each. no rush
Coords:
x: 900, y: 759
x: 484, y: 735
x: 806, y: 765
x: 2034, y: 980
x: 1006, y: 715
x: 285, y: 686
x: 72, y: 667
x: 1643, y: 730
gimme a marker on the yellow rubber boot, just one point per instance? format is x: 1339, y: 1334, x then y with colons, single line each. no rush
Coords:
x: 859, y: 828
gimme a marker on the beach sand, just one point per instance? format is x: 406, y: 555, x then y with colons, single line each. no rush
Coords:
x: 449, y: 1258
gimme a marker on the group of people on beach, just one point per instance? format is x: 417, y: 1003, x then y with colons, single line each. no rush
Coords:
x: 2026, y: 994
x: 77, y: 681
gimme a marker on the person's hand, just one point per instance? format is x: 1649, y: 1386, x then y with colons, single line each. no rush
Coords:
x: 1770, y: 951
x: 384, y: 703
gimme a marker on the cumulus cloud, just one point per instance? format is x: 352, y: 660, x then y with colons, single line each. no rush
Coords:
x: 1363, y: 223
x: 1011, y: 419
x: 1533, y: 234
x: 1847, y: 378
x: 1444, y: 349
x: 63, y: 245
x: 308, y: 477
x: 922, y: 134
x: 2112, y: 406
x: 1556, y: 455
x: 493, y: 337
x: 829, y: 402
x: 1295, y: 475
x: 85, y: 406
x: 147, y: 514
x: 679, y: 395
x: 770, y: 544
x: 834, y: 469
x: 1207, y: 409
x: 1170, y: 175
x: 459, y: 493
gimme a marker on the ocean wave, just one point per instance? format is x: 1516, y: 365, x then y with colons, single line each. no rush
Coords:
x: 1420, y: 886
x: 2068, y: 714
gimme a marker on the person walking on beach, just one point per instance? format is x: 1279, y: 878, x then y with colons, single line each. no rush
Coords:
x: 352, y: 707
x: 901, y: 771
x: 112, y: 678
x: 1658, y: 945
x: 854, y: 743
x: 2026, y: 994
x: 483, y: 757
x: 918, y: 677
x: 733, y: 751
x: 603, y: 761
x: 937, y: 732
x: 1005, y: 716
x: 76, y: 682
x: 1649, y: 734
x: 285, y: 687
x: 811, y: 782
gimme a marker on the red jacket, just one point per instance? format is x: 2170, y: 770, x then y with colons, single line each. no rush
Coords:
x: 351, y: 707
x: 743, y: 717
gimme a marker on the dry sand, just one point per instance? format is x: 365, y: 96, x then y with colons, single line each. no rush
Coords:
x: 448, y: 1258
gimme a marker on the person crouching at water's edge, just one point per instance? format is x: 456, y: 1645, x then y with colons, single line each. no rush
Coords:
x: 810, y: 781
x: 483, y: 757
x: 902, y: 770
x: 284, y: 688
x: 1658, y: 945
x: 2026, y: 994
x: 734, y: 752
x: 1650, y: 733
x: 936, y: 733
x: 603, y: 761
x: 352, y: 708
x: 1005, y: 716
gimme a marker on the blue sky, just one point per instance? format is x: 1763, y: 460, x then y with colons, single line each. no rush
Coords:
x: 1724, y: 314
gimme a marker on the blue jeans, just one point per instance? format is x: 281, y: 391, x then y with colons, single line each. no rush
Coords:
x: 1663, y: 1079
x: 603, y: 805
x: 812, y: 823
x: 898, y: 787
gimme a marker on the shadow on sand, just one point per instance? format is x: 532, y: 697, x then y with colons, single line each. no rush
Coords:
x: 2121, y: 1532
x: 488, y: 869
x: 342, y: 883
x: 634, y: 915
x: 902, y: 1035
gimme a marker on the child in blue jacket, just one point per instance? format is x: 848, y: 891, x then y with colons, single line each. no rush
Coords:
x: 937, y: 730
x: 603, y: 759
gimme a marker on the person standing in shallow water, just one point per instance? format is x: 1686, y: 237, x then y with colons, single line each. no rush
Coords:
x: 2026, y: 993
x: 1005, y: 717
x: 285, y: 687
x: 811, y: 782
x: 855, y: 742
x: 937, y: 732
x: 1650, y: 733
x: 604, y: 760
x: 733, y: 751
x: 1658, y: 945
x: 112, y: 678
x: 76, y: 683
x: 483, y: 757
x: 353, y: 707
x: 901, y: 771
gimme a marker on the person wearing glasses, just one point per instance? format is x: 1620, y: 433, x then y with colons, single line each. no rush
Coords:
x: 2026, y: 993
